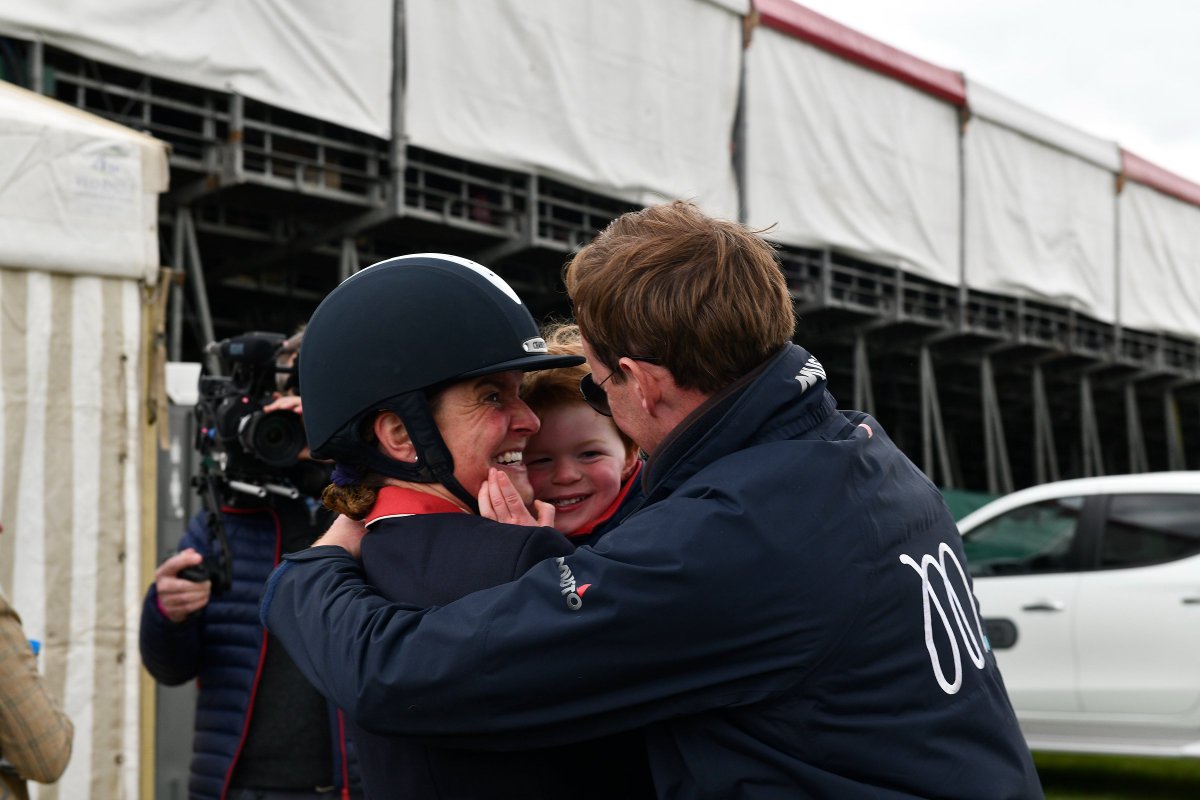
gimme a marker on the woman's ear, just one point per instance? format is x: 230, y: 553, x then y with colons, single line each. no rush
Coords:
x: 393, y: 437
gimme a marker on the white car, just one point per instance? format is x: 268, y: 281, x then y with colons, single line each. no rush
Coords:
x: 1090, y: 592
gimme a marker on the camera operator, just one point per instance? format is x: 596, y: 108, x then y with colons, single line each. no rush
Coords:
x: 262, y: 731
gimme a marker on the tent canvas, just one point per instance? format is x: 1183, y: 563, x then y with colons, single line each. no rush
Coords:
x: 78, y: 257
x: 334, y: 63
x: 78, y: 194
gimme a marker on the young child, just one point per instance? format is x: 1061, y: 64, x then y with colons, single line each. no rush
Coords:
x: 579, y: 461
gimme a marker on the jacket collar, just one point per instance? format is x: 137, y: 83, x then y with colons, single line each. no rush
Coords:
x: 608, y: 513
x: 400, y: 501
x: 782, y: 398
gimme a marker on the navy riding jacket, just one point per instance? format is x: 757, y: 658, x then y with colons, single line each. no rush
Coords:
x: 787, y: 614
x: 423, y: 550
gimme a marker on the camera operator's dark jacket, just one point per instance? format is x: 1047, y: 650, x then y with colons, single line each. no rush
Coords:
x: 223, y: 648
x: 785, y: 615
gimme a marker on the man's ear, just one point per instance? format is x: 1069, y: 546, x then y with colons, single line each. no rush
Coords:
x: 393, y: 437
x: 645, y: 382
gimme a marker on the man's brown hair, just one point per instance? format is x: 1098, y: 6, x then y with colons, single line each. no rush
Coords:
x: 703, y: 297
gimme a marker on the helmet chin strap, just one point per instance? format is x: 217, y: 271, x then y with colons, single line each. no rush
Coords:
x: 434, y: 463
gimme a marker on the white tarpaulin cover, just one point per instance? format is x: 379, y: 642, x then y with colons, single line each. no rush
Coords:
x: 332, y: 61
x: 990, y: 105
x: 1040, y: 220
x: 71, y: 429
x: 78, y: 194
x: 630, y: 98
x: 78, y: 200
x: 840, y: 156
x: 1159, y: 258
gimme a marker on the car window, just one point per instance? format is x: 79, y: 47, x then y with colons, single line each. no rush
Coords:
x: 1029, y: 540
x: 1150, y: 528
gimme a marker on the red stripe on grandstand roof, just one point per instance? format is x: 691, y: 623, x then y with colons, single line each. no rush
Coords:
x: 1136, y: 168
x: 793, y: 19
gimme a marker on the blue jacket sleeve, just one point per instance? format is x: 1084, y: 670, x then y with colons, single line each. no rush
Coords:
x: 172, y: 652
x: 631, y: 632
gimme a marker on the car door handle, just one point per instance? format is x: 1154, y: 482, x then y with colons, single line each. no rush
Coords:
x: 1045, y: 605
x: 1192, y: 600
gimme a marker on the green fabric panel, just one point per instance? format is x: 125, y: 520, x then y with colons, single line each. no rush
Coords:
x: 963, y: 502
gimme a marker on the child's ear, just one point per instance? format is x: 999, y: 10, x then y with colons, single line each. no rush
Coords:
x: 631, y: 460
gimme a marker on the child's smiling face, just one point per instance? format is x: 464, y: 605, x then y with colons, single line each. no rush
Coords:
x: 577, y: 463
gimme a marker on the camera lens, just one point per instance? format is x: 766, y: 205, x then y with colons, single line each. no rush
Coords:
x: 276, y: 439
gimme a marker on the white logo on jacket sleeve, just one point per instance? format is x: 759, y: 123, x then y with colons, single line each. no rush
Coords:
x: 566, y: 582
x: 975, y: 645
x: 810, y: 373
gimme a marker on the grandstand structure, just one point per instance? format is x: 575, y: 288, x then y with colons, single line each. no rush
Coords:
x: 1014, y: 299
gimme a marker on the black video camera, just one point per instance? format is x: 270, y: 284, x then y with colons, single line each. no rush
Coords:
x: 248, y: 447
x: 244, y: 450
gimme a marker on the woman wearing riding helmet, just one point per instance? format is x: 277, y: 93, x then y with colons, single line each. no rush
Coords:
x: 411, y: 371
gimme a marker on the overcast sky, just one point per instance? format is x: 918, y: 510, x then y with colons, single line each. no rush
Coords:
x: 1123, y: 71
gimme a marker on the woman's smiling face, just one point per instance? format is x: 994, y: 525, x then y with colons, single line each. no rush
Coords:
x: 577, y: 463
x: 485, y: 424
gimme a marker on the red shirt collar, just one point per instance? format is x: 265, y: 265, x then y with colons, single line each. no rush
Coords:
x: 399, y: 501
x: 612, y: 508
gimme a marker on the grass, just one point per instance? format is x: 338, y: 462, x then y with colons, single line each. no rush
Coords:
x: 1084, y: 777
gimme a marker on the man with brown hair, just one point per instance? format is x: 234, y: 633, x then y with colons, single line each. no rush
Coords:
x: 785, y: 614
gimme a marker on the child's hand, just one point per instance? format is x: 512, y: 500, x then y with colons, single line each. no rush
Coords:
x: 499, y: 501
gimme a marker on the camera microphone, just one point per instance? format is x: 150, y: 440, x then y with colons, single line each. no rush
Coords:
x: 249, y: 348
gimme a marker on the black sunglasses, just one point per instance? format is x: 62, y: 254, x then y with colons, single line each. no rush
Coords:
x: 594, y: 394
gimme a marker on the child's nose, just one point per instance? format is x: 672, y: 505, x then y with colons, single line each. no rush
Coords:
x: 565, y: 471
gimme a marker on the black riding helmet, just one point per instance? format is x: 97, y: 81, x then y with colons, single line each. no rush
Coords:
x: 391, y: 333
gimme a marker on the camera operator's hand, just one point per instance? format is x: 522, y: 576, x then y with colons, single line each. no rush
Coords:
x: 345, y: 533
x: 289, y: 402
x: 179, y: 597
x: 286, y: 402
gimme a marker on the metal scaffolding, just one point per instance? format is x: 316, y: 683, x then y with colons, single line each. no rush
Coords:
x: 269, y: 209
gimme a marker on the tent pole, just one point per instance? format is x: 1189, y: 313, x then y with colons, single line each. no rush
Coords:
x: 176, y: 335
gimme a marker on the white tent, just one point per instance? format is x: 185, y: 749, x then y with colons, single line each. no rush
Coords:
x: 1158, y: 250
x: 1040, y: 210
x: 627, y: 97
x: 79, y: 308
x: 845, y: 157
x: 332, y: 61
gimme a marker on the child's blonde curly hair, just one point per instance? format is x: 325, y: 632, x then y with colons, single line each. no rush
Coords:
x: 553, y: 388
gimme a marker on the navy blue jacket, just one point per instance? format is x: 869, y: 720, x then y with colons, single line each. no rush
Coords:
x: 432, y: 558
x: 787, y: 614
x: 222, y: 647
